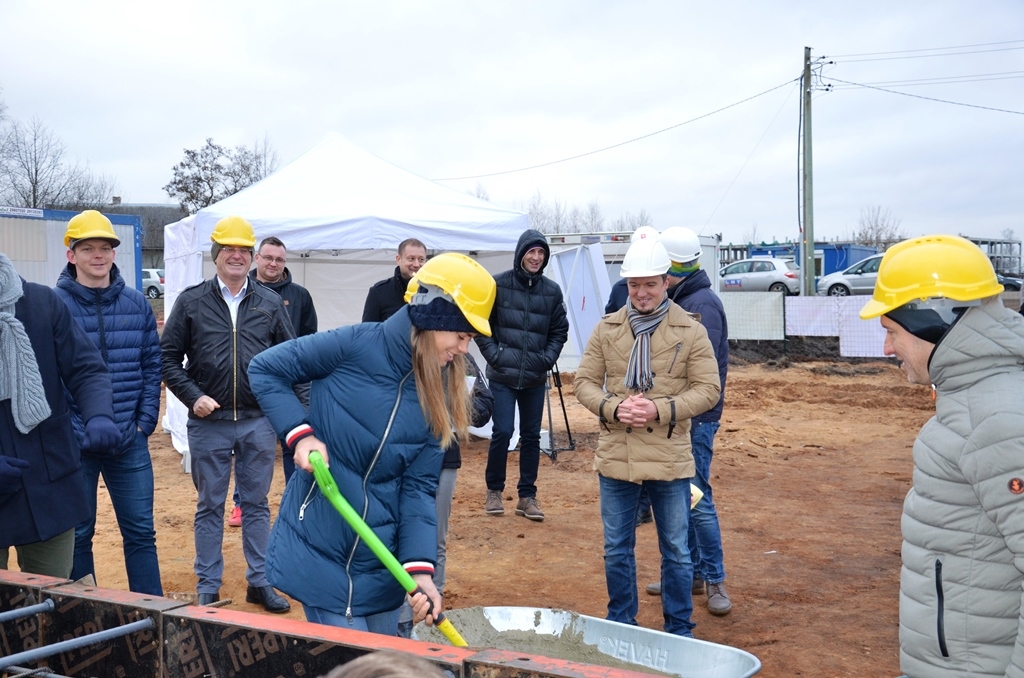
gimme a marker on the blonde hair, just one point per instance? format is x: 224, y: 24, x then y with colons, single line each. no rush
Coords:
x: 447, y: 411
x: 386, y: 664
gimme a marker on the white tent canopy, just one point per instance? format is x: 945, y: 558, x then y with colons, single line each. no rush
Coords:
x: 338, y: 197
x: 341, y: 212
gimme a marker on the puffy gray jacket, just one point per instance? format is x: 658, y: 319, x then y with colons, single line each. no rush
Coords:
x: 963, y: 520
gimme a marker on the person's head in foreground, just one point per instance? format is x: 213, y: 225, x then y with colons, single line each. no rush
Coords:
x: 645, y: 268
x: 924, y: 286
x: 450, y: 299
x: 386, y: 664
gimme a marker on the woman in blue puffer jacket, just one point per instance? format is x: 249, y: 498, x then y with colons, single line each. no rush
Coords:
x: 385, y: 400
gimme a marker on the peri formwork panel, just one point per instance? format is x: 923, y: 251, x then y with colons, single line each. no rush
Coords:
x: 221, y: 643
x: 81, y: 609
x: 17, y: 590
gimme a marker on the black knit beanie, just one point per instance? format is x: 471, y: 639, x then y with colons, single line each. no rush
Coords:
x: 439, y: 314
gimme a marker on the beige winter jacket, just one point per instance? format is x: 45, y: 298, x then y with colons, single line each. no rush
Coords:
x: 686, y: 383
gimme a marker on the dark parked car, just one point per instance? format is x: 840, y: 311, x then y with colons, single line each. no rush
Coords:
x: 1010, y: 283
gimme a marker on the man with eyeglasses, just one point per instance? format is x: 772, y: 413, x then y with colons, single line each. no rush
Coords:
x: 219, y: 325
x: 272, y: 271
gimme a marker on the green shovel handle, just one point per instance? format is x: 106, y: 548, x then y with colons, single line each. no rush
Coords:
x: 329, y: 488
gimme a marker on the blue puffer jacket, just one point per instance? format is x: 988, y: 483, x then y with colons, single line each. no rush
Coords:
x: 121, y: 324
x: 695, y: 295
x: 364, y: 407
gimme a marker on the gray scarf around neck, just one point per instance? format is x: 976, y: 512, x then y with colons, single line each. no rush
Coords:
x: 20, y: 381
x: 638, y: 370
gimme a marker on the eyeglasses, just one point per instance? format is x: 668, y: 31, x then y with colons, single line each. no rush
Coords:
x: 230, y: 249
x: 281, y: 261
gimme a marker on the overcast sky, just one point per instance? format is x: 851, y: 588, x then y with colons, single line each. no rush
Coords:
x: 459, y: 89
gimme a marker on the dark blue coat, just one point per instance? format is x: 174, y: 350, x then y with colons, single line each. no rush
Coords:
x: 121, y: 324
x: 528, y: 321
x: 694, y: 294
x: 360, y: 374
x: 618, y: 297
x: 52, y: 497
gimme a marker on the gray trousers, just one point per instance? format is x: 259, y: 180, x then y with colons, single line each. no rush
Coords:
x: 52, y: 558
x: 211, y: 445
x: 443, y: 504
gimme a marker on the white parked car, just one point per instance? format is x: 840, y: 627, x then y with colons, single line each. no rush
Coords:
x: 857, y: 279
x: 153, y: 282
x: 761, y: 274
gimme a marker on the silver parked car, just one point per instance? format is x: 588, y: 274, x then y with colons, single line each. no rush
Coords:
x: 761, y: 274
x: 857, y: 279
x: 153, y: 282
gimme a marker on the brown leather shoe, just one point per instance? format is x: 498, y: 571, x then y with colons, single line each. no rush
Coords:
x: 529, y: 508
x: 493, y: 505
x: 718, y: 599
x: 697, y: 589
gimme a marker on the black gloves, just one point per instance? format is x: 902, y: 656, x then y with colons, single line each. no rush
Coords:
x: 101, y: 435
x: 10, y: 473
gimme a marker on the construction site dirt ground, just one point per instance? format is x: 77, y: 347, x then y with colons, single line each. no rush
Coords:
x: 811, y: 466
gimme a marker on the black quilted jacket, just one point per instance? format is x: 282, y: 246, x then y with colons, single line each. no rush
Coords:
x: 528, y: 322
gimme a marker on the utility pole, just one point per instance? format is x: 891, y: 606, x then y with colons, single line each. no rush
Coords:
x: 807, y: 178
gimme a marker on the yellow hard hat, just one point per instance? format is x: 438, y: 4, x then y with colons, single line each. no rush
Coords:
x: 90, y: 224
x: 931, y: 266
x: 464, y: 281
x: 234, y: 231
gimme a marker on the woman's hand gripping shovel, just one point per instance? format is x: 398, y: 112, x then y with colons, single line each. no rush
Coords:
x: 330, y: 490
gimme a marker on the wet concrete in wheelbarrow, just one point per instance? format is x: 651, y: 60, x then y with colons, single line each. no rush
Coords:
x: 477, y: 630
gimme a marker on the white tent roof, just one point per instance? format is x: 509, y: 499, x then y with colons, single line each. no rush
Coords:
x: 338, y: 196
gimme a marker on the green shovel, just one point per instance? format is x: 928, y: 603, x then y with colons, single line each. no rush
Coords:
x: 330, y: 490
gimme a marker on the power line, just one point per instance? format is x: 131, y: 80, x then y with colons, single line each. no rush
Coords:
x: 980, y: 77
x: 936, y: 81
x: 744, y: 165
x: 622, y: 143
x: 918, y: 96
x: 926, y: 56
x: 928, y: 49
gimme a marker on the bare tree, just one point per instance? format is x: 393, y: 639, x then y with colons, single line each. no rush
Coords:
x: 480, y: 192
x: 250, y: 165
x: 877, y: 228
x: 594, y: 219
x: 540, y: 213
x: 630, y: 222
x: 1008, y: 234
x: 750, y: 235
x: 559, y: 218
x: 212, y: 173
x: 577, y: 220
x: 36, y: 172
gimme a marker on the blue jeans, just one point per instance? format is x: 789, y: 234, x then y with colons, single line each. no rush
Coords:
x: 670, y: 500
x: 129, y: 481
x: 384, y: 623
x: 705, y: 535
x: 531, y: 409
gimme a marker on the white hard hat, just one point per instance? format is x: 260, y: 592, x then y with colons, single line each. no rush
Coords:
x: 682, y: 244
x: 643, y: 233
x: 645, y: 258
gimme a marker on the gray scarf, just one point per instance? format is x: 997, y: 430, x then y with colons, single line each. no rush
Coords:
x: 20, y: 381
x: 638, y: 370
